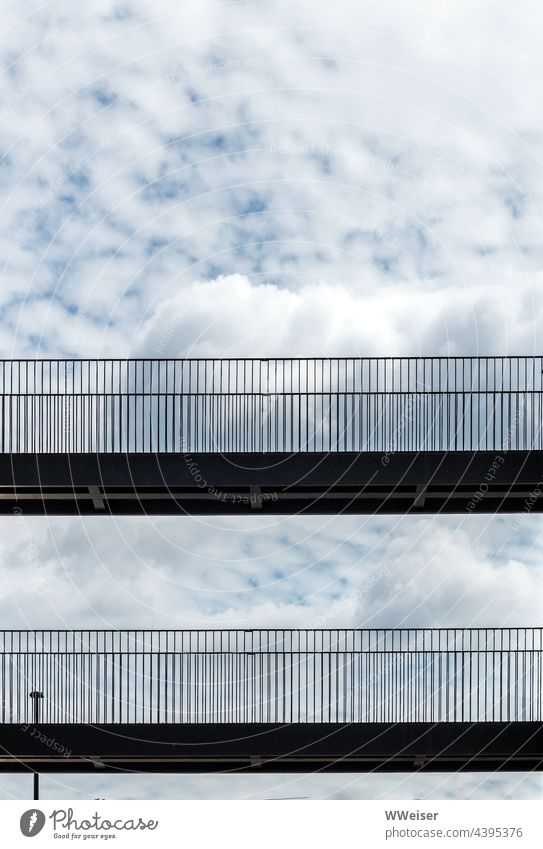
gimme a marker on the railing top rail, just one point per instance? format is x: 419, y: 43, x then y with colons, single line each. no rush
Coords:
x: 358, y: 358
x: 379, y: 629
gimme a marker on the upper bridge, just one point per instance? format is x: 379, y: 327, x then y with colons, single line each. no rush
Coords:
x: 335, y: 435
x: 274, y: 700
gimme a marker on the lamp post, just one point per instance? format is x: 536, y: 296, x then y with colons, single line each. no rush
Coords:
x: 36, y: 695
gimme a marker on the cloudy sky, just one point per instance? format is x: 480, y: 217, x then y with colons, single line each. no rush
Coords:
x: 253, y: 178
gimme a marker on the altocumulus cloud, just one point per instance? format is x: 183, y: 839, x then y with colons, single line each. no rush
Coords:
x: 143, y: 151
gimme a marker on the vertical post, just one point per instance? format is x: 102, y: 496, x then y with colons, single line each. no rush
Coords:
x: 36, y: 695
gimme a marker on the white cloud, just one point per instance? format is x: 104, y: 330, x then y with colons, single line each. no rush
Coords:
x: 232, y: 316
x: 284, y: 571
x: 461, y: 786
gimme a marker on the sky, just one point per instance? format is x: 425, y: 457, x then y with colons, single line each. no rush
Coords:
x: 263, y: 179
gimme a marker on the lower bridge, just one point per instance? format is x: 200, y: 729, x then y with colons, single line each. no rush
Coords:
x: 274, y: 700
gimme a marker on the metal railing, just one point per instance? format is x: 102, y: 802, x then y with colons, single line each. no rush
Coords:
x: 277, y: 676
x: 272, y: 405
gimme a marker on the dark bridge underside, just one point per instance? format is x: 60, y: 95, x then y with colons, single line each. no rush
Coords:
x: 330, y: 747
x: 351, y: 483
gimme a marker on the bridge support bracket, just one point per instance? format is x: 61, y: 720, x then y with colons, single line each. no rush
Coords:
x: 420, y: 497
x: 255, y: 495
x: 97, y: 501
